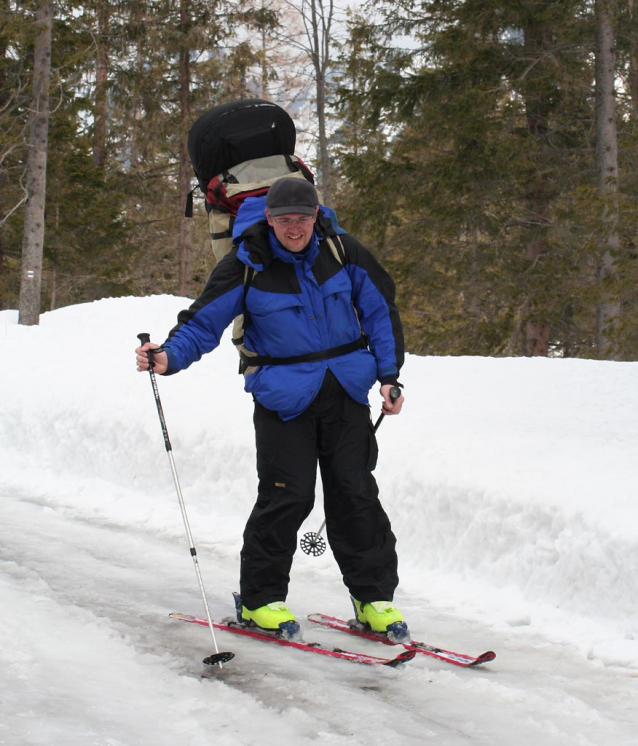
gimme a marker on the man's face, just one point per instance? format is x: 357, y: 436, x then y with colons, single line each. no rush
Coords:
x: 294, y: 231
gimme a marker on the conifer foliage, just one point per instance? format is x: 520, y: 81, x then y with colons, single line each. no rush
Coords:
x: 486, y: 150
x: 480, y: 175
x: 127, y: 79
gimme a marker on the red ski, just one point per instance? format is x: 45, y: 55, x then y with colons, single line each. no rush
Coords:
x: 312, y: 647
x: 458, y: 659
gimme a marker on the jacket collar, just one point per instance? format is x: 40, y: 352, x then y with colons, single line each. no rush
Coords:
x: 309, y: 254
x: 258, y: 245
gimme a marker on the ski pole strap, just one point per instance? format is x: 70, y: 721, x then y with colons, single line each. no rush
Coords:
x: 309, y: 357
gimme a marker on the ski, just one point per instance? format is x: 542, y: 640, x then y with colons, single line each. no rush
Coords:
x: 458, y: 659
x: 229, y: 625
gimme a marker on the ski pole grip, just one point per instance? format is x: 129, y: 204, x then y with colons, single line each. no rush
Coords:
x: 144, y: 337
x: 395, y: 393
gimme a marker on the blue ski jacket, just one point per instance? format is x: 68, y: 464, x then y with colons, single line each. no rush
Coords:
x: 296, y: 304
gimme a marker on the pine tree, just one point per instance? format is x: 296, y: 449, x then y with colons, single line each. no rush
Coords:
x: 489, y: 152
x: 607, y: 178
x: 14, y: 99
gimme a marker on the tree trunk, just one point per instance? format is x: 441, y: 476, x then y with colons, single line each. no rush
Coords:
x: 185, y: 225
x: 33, y: 238
x: 633, y: 61
x: 324, y: 156
x: 537, y: 332
x: 54, y: 288
x: 263, y: 54
x: 101, y: 89
x: 319, y: 40
x: 608, y: 311
x: 134, y: 148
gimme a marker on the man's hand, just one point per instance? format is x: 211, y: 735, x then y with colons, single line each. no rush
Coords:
x: 390, y: 407
x: 160, y: 359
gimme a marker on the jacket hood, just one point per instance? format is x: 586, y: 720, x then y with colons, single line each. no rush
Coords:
x: 252, y: 210
x: 251, y: 232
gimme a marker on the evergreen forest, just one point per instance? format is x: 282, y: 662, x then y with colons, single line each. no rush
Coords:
x: 485, y: 150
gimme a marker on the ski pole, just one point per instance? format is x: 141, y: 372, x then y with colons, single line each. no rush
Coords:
x: 218, y: 658
x: 395, y: 393
x: 314, y: 543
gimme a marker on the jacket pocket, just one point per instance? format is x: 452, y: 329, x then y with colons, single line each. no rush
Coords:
x: 277, y: 325
x: 265, y: 304
x: 337, y: 299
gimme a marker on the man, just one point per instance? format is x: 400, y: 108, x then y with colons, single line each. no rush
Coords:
x: 319, y: 315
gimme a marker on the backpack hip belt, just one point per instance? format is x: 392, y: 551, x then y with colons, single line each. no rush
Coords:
x: 254, y: 360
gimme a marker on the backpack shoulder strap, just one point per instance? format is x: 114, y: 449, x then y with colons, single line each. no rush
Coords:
x: 249, y: 276
x: 336, y: 247
x: 240, y: 323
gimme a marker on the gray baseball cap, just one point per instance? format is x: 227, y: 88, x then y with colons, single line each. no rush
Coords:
x: 291, y: 195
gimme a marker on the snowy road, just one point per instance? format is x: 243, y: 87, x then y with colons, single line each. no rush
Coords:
x: 126, y: 674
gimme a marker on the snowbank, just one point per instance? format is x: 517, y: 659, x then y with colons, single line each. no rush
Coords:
x: 510, y: 482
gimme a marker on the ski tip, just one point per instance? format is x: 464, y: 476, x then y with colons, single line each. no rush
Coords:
x: 484, y: 658
x: 219, y: 658
x: 404, y: 657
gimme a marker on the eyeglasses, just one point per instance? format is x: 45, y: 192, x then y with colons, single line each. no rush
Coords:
x: 286, y: 222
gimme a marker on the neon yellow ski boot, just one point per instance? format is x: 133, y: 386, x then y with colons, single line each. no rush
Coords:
x: 275, y: 616
x: 382, y: 618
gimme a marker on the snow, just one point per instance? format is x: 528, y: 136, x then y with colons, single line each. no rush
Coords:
x: 511, y: 485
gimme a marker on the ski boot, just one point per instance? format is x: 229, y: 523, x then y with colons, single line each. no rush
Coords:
x: 383, y: 618
x: 274, y: 618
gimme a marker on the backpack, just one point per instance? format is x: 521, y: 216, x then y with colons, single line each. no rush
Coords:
x: 238, y: 150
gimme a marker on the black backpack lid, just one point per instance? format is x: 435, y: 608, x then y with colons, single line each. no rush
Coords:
x: 238, y: 131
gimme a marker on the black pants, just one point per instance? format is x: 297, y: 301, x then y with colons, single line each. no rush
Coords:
x: 336, y: 432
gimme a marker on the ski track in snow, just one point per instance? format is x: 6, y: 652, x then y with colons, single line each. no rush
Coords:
x: 114, y: 589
